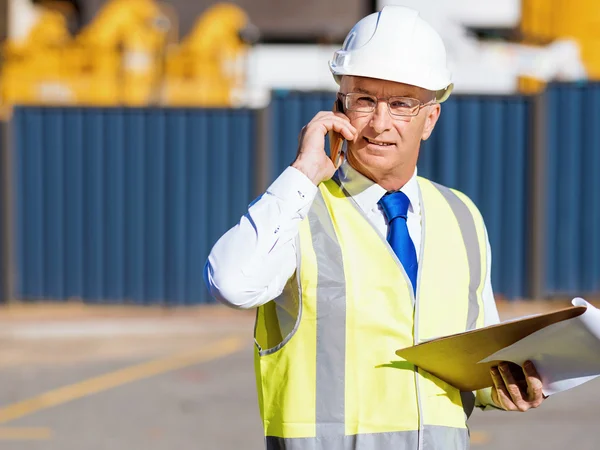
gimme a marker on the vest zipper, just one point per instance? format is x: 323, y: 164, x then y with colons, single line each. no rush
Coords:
x: 416, y: 319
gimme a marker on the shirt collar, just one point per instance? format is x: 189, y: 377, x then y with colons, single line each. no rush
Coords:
x: 367, y: 193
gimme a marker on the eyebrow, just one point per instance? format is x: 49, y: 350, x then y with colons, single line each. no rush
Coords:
x: 362, y: 91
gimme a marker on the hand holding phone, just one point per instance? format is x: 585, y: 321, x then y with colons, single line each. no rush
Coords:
x: 312, y: 159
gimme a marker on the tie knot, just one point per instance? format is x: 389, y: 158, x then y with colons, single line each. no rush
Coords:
x: 394, y: 205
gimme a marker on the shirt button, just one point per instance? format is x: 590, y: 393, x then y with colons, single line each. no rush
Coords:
x: 300, y: 194
x: 276, y: 230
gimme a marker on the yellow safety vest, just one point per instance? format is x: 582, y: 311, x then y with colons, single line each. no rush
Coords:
x: 335, y: 382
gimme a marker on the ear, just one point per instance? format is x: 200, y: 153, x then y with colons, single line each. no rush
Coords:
x: 433, y: 114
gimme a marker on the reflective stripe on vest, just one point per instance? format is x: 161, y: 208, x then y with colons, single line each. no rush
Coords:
x: 436, y: 437
x: 347, y: 331
x: 469, y: 235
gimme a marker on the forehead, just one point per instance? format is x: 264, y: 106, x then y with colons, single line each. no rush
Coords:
x: 383, y: 88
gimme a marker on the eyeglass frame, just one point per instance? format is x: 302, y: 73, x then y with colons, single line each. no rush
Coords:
x: 342, y: 99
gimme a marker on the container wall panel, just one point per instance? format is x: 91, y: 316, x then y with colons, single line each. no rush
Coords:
x: 123, y: 205
x: 572, y: 137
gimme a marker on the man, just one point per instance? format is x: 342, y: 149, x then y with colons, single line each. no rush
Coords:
x: 346, y: 266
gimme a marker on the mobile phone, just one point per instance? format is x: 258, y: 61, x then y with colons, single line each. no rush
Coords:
x: 336, y: 140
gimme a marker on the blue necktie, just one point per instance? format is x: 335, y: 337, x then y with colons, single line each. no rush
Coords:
x: 395, y: 207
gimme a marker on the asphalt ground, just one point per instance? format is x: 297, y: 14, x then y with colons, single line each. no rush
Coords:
x: 79, y: 378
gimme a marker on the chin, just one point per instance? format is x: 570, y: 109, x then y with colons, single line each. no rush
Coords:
x: 379, y: 160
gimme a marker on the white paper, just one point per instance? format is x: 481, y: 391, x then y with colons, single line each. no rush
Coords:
x: 565, y: 354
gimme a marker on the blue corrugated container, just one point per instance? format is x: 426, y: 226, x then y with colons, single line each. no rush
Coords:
x: 123, y: 205
x: 480, y: 146
x: 572, y: 250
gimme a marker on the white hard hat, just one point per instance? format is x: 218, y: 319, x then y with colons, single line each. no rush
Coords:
x: 396, y: 45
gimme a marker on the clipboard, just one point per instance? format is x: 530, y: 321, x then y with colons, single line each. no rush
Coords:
x: 455, y: 358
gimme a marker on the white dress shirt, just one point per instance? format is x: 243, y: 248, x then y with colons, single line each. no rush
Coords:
x: 251, y: 264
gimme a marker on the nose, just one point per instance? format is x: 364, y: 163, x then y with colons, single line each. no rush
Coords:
x: 381, y: 120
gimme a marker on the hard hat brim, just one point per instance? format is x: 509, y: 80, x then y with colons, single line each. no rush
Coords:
x: 441, y: 93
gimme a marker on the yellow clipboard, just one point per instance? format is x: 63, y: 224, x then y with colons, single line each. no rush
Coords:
x: 455, y: 359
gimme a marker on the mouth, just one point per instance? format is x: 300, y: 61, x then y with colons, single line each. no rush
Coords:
x: 378, y: 143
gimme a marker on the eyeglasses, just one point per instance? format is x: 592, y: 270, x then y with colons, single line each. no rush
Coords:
x: 397, y: 106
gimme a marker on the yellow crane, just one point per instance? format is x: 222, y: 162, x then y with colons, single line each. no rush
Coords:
x: 208, y: 68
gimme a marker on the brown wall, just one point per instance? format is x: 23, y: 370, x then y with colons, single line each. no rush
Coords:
x: 287, y: 20
x: 3, y: 19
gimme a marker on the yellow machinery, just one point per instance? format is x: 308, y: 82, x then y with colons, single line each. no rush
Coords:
x: 124, y: 57
x: 117, y: 59
x: 33, y: 71
x: 544, y: 21
x: 208, y: 68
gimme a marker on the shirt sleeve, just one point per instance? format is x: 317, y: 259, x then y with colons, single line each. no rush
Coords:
x: 483, y: 397
x: 251, y: 263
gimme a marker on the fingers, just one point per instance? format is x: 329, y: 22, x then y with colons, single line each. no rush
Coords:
x: 339, y: 124
x: 535, y: 393
x: 345, y: 129
x: 311, y: 158
x: 514, y: 393
x: 327, y: 121
x: 504, y: 399
x: 513, y: 387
